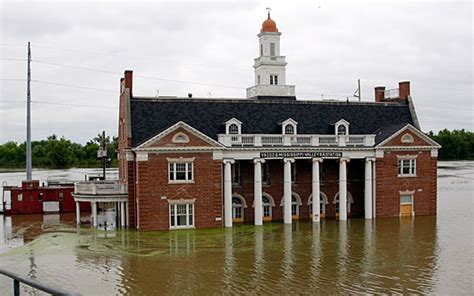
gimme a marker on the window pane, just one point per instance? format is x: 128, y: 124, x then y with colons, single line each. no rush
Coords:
x: 272, y: 49
x: 190, y: 171
x: 181, y: 221
x: 276, y: 79
x: 171, y: 171
x: 294, y: 209
x: 266, y: 211
x: 406, y: 199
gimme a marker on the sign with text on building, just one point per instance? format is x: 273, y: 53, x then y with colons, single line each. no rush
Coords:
x: 299, y: 154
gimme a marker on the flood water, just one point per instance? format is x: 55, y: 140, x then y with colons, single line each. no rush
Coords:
x: 422, y: 255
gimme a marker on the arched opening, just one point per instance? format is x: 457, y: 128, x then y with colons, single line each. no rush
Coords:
x: 323, y: 201
x: 233, y: 129
x: 267, y: 204
x: 289, y: 129
x: 350, y: 201
x: 295, y: 205
x: 341, y: 130
x: 238, y: 205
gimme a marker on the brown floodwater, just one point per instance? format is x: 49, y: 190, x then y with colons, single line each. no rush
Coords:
x: 422, y: 255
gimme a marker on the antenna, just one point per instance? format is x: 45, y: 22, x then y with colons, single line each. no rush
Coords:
x: 357, y: 92
x: 28, y: 117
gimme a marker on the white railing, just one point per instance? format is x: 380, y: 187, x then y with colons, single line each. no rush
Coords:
x: 271, y: 90
x: 100, y: 187
x: 258, y: 140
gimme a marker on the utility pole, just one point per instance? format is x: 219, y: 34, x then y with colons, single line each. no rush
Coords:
x: 104, y: 154
x: 28, y: 118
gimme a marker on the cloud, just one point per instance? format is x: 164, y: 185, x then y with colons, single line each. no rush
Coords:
x: 328, y: 45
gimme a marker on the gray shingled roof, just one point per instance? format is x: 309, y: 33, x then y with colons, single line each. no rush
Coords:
x: 151, y: 116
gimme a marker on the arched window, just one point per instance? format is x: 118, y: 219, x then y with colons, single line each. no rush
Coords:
x: 233, y: 129
x: 180, y: 138
x: 407, y: 138
x: 289, y: 129
x: 350, y: 200
x: 237, y: 209
x: 295, y: 205
x: 323, y: 200
x: 341, y: 130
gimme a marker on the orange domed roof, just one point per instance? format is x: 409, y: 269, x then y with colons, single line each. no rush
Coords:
x: 269, y: 25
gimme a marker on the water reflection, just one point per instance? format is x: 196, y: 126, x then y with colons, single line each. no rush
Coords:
x: 383, y: 256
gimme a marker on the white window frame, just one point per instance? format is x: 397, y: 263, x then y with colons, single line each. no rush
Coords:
x: 231, y: 121
x: 272, y: 49
x: 406, y: 161
x: 242, y: 206
x: 174, y: 217
x: 180, y: 138
x: 350, y: 200
x: 412, y: 195
x: 273, y: 79
x: 189, y: 169
x: 322, y: 203
x: 407, y: 138
x: 291, y: 122
x: 343, y: 123
x: 269, y: 205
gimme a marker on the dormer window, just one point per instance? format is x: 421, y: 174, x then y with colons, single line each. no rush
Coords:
x: 233, y: 127
x: 289, y: 127
x: 341, y: 130
x: 342, y: 127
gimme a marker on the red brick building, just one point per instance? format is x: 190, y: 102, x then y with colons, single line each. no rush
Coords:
x: 192, y: 162
x: 33, y: 198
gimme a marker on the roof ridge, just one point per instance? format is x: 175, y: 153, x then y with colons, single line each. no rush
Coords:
x: 263, y: 101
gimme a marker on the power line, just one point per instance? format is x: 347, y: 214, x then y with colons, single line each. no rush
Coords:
x: 74, y: 105
x: 12, y: 59
x: 139, y: 76
x: 74, y: 86
x: 12, y: 79
x: 77, y: 67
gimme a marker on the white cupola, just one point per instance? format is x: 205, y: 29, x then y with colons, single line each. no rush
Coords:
x: 270, y: 66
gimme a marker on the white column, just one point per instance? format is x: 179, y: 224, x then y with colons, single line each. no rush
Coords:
x: 258, y: 207
x: 228, y: 192
x: 94, y: 213
x: 126, y: 213
x: 368, y: 189
x: 122, y: 214
x: 343, y: 188
x: 78, y: 213
x: 287, y: 190
x: 316, y: 189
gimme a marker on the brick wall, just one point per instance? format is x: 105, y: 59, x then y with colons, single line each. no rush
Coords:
x: 152, y: 185
x: 389, y: 185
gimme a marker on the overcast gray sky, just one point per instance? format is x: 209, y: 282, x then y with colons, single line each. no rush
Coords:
x: 328, y: 45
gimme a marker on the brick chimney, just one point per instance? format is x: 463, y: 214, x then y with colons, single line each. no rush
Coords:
x: 379, y: 93
x: 127, y: 81
x: 404, y: 89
